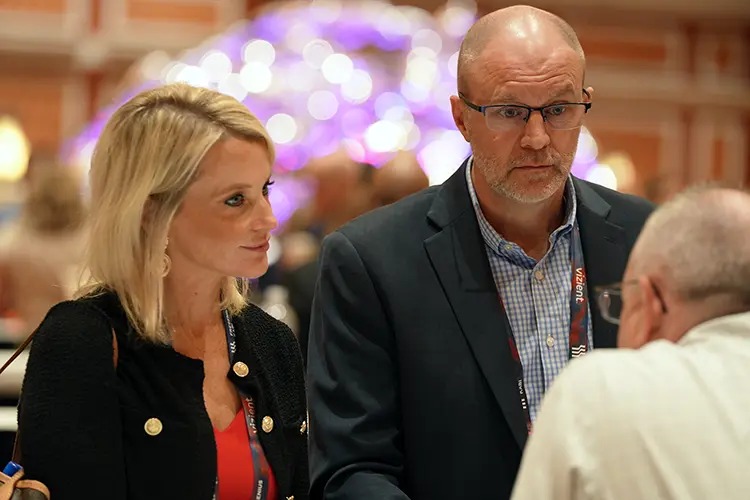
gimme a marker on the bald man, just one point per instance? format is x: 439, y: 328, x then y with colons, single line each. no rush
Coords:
x: 439, y: 321
x: 668, y: 420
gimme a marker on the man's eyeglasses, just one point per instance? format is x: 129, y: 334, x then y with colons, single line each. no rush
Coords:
x: 609, y: 300
x: 507, y: 117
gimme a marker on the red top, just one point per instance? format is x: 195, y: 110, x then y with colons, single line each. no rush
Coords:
x: 235, y: 462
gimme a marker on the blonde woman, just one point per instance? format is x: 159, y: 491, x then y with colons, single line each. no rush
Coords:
x: 202, y: 394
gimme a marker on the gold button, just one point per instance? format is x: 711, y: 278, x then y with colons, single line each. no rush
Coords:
x: 550, y: 341
x: 267, y: 424
x: 539, y: 275
x: 303, y: 427
x: 153, y: 427
x: 241, y: 369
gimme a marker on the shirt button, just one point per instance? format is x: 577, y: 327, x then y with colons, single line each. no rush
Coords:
x: 550, y: 341
x: 539, y: 275
x: 508, y: 246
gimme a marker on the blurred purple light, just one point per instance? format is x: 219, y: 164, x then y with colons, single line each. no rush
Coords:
x: 377, y: 37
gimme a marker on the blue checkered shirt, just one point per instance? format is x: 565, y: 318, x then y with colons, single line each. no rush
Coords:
x: 536, y: 296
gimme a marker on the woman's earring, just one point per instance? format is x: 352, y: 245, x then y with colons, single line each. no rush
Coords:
x: 166, y: 262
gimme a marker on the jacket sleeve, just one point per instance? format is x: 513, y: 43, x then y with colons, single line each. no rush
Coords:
x: 355, y: 435
x: 69, y: 414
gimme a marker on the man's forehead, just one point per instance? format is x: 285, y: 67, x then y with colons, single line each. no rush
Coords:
x: 563, y: 88
x: 527, y: 60
x: 559, y: 71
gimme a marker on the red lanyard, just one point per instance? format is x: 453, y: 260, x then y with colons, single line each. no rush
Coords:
x: 260, y: 465
x: 579, y: 320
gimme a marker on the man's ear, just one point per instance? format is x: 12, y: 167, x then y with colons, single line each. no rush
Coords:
x: 457, y: 110
x: 653, y: 311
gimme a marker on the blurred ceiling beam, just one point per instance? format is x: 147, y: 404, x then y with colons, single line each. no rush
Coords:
x: 735, y: 10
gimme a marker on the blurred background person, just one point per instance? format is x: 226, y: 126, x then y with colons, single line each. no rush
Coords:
x: 666, y: 416
x: 41, y: 255
x: 355, y: 188
x: 41, y: 264
x: 397, y: 179
x: 341, y: 190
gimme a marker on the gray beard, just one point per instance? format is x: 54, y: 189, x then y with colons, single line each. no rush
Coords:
x: 499, y: 180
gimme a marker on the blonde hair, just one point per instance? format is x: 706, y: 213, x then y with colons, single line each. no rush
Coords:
x: 146, y: 158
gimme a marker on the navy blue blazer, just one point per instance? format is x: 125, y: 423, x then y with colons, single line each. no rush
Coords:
x: 411, y: 385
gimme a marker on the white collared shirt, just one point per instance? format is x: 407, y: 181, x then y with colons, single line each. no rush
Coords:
x: 668, y: 421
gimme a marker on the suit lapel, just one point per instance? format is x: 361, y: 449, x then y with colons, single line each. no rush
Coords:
x: 605, y: 255
x: 459, y: 258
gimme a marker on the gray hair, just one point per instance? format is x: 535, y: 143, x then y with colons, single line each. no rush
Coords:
x: 699, y: 239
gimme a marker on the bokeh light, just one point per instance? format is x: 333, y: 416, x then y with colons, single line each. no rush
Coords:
x: 15, y: 149
x: 368, y: 76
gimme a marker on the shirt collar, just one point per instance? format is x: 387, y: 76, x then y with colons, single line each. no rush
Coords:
x: 494, y: 240
x: 730, y: 326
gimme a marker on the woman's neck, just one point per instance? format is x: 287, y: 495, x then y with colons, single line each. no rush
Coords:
x: 193, y: 315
